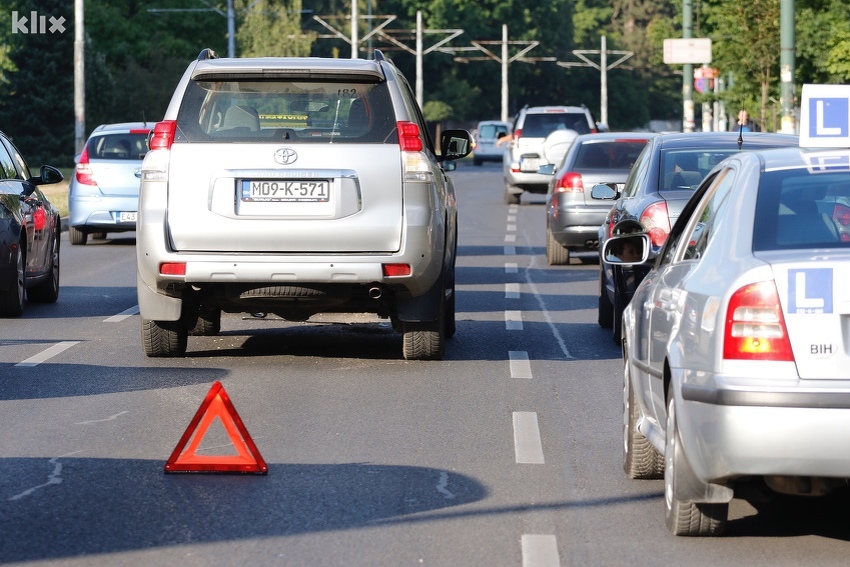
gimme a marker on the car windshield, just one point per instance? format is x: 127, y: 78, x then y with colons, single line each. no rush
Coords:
x: 798, y: 209
x: 541, y: 125
x: 613, y: 154
x: 684, y: 169
x: 278, y: 110
x: 490, y: 131
x: 118, y: 146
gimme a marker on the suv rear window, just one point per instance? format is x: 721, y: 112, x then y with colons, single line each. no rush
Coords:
x: 797, y: 209
x: 118, y: 146
x: 541, y: 125
x: 278, y: 110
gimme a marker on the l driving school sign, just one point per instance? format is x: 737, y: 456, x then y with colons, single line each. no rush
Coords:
x: 825, y: 120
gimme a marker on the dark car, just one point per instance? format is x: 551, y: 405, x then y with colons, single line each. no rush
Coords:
x: 573, y: 216
x: 29, y: 233
x: 661, y: 182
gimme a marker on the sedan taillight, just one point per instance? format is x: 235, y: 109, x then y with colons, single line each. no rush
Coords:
x: 656, y: 221
x: 570, y: 182
x: 755, y: 328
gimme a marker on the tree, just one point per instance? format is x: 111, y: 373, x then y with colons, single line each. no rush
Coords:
x: 272, y: 28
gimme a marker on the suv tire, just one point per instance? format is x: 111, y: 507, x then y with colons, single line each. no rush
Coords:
x: 164, y: 338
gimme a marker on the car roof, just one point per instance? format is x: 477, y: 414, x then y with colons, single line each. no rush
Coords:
x: 708, y: 140
x: 815, y: 159
x: 554, y: 109
x: 607, y: 136
x: 122, y: 127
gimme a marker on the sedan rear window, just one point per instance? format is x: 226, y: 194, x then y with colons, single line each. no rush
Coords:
x: 281, y: 110
x: 798, y: 209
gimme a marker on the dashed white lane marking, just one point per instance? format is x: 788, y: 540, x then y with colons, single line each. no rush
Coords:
x: 511, y: 267
x: 47, y: 353
x: 53, y: 478
x: 510, y: 238
x: 513, y: 320
x: 110, y: 418
x: 441, y: 486
x: 510, y: 250
x: 520, y: 365
x: 527, y: 444
x: 511, y: 227
x: 539, y: 550
x: 511, y: 291
x: 123, y: 315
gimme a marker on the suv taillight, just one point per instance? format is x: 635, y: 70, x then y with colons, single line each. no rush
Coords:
x: 82, y: 171
x: 570, y: 182
x: 755, y: 328
x: 656, y: 221
x: 408, y: 137
x: 163, y: 135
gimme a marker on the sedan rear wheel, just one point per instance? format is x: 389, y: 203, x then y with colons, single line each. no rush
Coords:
x: 12, y: 299
x: 556, y: 254
x: 683, y: 517
x: 164, y: 338
x: 48, y: 290
x: 640, y: 459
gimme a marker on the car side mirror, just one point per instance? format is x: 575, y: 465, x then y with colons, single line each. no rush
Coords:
x: 49, y: 175
x: 605, y: 191
x: 627, y: 250
x: 547, y: 169
x: 455, y: 144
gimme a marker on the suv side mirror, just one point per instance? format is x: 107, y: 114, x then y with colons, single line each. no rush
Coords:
x: 455, y: 144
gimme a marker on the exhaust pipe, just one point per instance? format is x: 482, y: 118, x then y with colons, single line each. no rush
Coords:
x: 375, y: 292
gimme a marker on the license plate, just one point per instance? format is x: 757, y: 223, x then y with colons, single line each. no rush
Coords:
x: 127, y: 217
x: 286, y: 190
x: 529, y: 165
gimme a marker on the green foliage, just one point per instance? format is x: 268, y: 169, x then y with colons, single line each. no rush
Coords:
x: 272, y: 28
x: 436, y: 111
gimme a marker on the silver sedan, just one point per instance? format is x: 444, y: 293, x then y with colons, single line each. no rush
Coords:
x: 737, y: 342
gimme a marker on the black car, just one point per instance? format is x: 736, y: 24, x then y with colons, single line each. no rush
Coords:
x: 660, y: 183
x: 29, y: 233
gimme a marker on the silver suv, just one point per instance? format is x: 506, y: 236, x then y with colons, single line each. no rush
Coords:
x: 527, y: 146
x: 296, y: 186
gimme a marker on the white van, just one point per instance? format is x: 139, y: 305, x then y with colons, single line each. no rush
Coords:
x: 486, y: 135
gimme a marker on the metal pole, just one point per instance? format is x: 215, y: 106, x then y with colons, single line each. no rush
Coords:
x: 786, y: 65
x: 504, y: 73
x: 354, y: 39
x: 603, y: 66
x: 419, y: 82
x: 79, y: 79
x: 687, y: 70
x: 231, y: 29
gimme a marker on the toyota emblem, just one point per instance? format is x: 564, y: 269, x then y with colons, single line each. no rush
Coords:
x: 285, y: 156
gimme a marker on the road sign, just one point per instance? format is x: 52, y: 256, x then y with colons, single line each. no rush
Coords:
x: 691, y: 50
x: 825, y: 116
x: 216, y: 405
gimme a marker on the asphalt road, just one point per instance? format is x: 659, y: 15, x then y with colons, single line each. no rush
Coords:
x: 506, y: 453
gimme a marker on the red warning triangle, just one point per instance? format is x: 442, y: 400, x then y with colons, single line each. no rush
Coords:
x: 217, y: 404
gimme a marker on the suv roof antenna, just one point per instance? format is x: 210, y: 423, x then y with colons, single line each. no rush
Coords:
x: 207, y: 53
x: 379, y: 55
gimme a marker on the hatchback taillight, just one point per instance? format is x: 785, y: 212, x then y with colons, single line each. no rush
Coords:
x: 82, y: 171
x: 656, y: 221
x: 755, y: 328
x: 408, y: 137
x: 570, y: 182
x: 841, y: 215
x: 163, y: 135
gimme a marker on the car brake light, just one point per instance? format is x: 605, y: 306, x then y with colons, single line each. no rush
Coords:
x: 139, y: 131
x: 396, y: 270
x: 517, y: 134
x: 841, y: 215
x: 570, y: 182
x: 163, y: 135
x: 656, y: 221
x: 755, y: 328
x: 408, y: 137
x: 173, y: 269
x: 82, y: 171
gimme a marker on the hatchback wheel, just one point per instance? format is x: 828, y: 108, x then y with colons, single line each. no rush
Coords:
x: 512, y: 198
x: 556, y: 254
x: 164, y: 338
x: 12, y: 300
x: 686, y: 518
x: 77, y: 236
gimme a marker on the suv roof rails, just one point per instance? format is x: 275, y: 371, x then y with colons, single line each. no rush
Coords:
x: 207, y: 53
